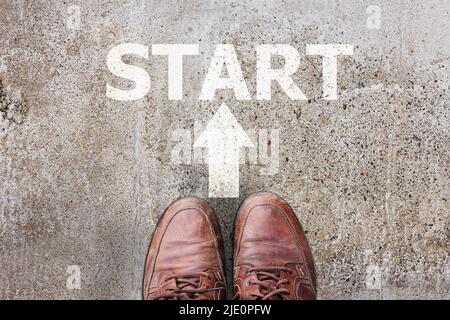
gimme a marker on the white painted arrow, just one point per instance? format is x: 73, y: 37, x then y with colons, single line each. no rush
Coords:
x: 223, y: 136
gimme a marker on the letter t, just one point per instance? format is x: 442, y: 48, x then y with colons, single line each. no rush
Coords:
x: 175, y: 53
x: 329, y: 73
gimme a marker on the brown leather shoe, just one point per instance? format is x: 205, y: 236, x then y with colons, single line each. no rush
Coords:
x: 272, y: 258
x: 185, y: 259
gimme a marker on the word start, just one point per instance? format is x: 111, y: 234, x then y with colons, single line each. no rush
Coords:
x: 225, y: 57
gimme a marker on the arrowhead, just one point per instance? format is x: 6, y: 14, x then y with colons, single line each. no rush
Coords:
x: 223, y: 124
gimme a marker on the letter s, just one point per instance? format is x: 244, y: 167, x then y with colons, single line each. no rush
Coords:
x: 130, y: 72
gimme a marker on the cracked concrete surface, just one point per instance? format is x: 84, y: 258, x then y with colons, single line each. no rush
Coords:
x: 83, y: 178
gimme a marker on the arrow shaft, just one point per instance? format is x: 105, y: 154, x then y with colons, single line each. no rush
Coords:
x: 223, y: 180
x: 223, y: 136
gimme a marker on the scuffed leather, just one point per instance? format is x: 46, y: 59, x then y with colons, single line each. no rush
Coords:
x: 187, y: 240
x: 268, y: 234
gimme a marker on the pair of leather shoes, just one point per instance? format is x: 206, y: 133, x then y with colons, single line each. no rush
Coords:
x: 272, y: 257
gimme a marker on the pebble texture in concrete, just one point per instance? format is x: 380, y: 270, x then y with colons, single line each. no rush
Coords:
x: 83, y: 178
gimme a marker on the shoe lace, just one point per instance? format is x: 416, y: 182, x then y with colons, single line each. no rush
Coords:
x: 188, y: 287
x: 269, y: 280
